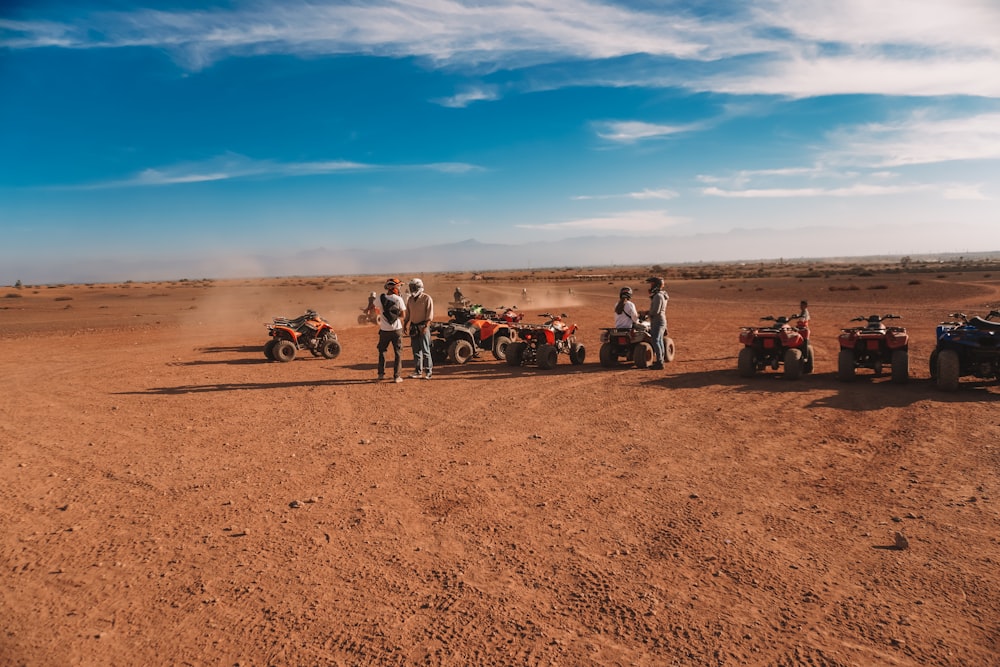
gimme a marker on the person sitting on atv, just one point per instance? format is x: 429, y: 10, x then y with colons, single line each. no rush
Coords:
x: 626, y: 314
x: 370, y: 310
x: 803, y: 313
x: 458, y: 295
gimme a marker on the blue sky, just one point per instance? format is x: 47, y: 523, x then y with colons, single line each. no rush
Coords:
x: 146, y: 140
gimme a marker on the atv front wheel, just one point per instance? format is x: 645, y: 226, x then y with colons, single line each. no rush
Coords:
x: 845, y: 365
x: 668, y: 349
x: 948, y: 370
x: 329, y: 348
x: 808, y: 357
x: 577, y: 354
x: 515, y: 353
x: 548, y: 357
x: 284, y: 350
x: 460, y: 351
x: 500, y: 345
x: 745, y: 363
x: 793, y: 364
x: 900, y: 366
x: 642, y: 354
x: 269, y: 348
x: 362, y: 319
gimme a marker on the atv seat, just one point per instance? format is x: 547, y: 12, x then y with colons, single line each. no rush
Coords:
x: 986, y: 325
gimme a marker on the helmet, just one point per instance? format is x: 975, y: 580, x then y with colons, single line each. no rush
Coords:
x: 393, y: 284
x: 655, y: 284
x: 416, y: 285
x: 372, y: 295
x: 625, y: 293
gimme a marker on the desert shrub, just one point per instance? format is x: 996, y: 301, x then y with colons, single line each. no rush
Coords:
x: 13, y: 295
x: 913, y: 282
x: 844, y: 288
x: 64, y: 298
x: 878, y: 287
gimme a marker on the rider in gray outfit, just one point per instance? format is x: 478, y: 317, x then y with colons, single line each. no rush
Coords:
x: 657, y: 319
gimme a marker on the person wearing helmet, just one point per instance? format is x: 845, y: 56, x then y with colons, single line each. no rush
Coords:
x: 657, y: 319
x: 419, y: 313
x: 390, y: 329
x: 626, y: 314
x: 370, y: 310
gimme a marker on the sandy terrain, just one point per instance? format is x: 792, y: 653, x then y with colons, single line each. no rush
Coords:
x: 168, y: 496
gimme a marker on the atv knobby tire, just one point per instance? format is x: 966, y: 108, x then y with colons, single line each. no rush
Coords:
x: 793, y: 364
x: 548, y: 357
x: 845, y: 365
x: 269, y: 348
x: 515, y: 353
x: 900, y: 366
x: 642, y: 355
x: 669, y: 350
x: 808, y: 358
x: 577, y: 353
x: 329, y: 348
x: 362, y: 319
x: 745, y: 363
x: 500, y: 345
x: 460, y: 351
x: 284, y: 350
x: 948, y: 370
x: 608, y: 357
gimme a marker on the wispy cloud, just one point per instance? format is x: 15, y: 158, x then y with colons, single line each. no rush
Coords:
x: 624, y: 222
x: 232, y: 167
x: 856, y: 190
x: 467, y: 97
x: 662, y: 193
x: 629, y: 131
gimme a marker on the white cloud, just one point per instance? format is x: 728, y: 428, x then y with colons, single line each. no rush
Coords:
x: 632, y: 130
x: 662, y: 193
x: 467, y: 97
x: 856, y: 190
x: 624, y: 222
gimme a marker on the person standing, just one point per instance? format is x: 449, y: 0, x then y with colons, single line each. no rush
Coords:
x: 657, y: 319
x: 626, y: 314
x: 419, y: 313
x: 390, y: 329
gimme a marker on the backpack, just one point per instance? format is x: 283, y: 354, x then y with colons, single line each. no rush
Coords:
x: 390, y: 309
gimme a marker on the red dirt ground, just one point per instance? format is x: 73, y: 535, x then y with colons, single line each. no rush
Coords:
x: 168, y: 496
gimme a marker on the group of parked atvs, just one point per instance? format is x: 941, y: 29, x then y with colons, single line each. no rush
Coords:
x: 966, y: 346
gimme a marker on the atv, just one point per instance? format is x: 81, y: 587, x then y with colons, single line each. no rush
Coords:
x: 874, y: 345
x: 969, y: 346
x: 306, y: 332
x: 773, y: 345
x: 368, y: 316
x: 541, y: 344
x: 634, y: 344
x: 470, y: 330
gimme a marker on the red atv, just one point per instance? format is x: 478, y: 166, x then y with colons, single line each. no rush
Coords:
x: 873, y: 346
x: 542, y: 343
x: 773, y: 345
x: 634, y: 344
x: 306, y: 332
x: 470, y: 330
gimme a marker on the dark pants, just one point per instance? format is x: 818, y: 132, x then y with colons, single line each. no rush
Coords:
x: 394, y: 337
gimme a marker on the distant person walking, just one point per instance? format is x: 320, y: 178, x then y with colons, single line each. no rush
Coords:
x: 390, y: 329
x: 419, y: 313
x: 657, y: 319
x: 626, y: 314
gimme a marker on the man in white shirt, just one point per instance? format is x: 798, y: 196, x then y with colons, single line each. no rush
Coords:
x: 390, y: 329
x: 626, y: 314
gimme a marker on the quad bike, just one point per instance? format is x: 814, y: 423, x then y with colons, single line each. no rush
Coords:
x: 368, y: 316
x: 874, y: 345
x: 773, y: 345
x: 542, y: 343
x: 634, y: 344
x: 969, y: 346
x: 306, y: 332
x: 470, y: 330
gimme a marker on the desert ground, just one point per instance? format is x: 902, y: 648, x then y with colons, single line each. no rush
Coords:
x: 170, y: 497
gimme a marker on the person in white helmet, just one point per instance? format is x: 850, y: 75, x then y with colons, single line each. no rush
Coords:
x: 419, y: 313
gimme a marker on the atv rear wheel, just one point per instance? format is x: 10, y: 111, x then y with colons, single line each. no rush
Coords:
x: 793, y: 364
x: 948, y: 370
x: 669, y: 350
x: 460, y: 351
x: 329, y: 348
x: 845, y: 365
x: 362, y: 319
x: 933, y: 364
x: 515, y: 353
x: 284, y: 350
x: 745, y: 363
x: 608, y: 357
x: 642, y: 354
x: 548, y: 357
x: 269, y: 348
x: 577, y: 354
x: 500, y: 345
x: 808, y: 357
x: 900, y: 366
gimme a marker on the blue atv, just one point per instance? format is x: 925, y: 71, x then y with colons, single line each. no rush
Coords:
x: 968, y: 346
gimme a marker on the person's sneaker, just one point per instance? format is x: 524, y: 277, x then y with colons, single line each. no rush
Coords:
x: 657, y: 366
x: 428, y: 376
x: 417, y: 375
x: 399, y: 379
x: 381, y: 377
